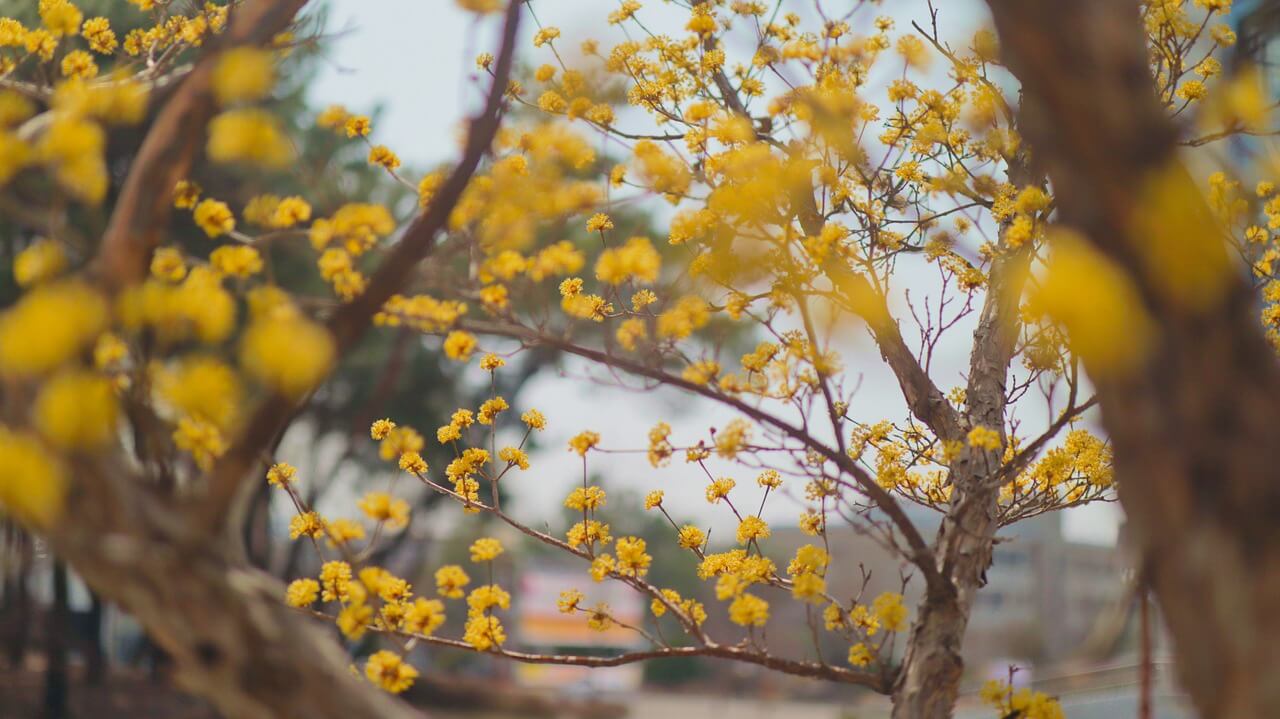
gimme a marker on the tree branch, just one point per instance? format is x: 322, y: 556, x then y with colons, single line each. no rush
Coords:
x: 920, y: 554
x: 351, y: 320
x: 141, y: 213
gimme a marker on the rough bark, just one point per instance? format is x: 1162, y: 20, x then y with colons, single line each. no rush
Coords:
x: 230, y: 637
x: 1196, y: 433
x: 932, y: 667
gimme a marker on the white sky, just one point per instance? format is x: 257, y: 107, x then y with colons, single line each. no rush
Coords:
x: 415, y: 58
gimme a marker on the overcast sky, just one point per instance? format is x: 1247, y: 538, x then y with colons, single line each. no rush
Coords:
x: 415, y: 59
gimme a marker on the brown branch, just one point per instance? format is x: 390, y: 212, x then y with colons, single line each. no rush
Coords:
x: 1024, y: 457
x: 875, y: 681
x: 920, y: 554
x: 925, y: 400
x: 736, y: 653
x: 351, y: 320
x: 142, y: 211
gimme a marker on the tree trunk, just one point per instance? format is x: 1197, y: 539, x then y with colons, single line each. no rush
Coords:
x: 931, y: 669
x: 1196, y: 431
x: 232, y: 639
x: 17, y: 597
x: 56, y: 626
x: 224, y: 624
x: 95, y: 654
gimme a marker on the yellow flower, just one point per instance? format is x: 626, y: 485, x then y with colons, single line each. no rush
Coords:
x: 483, y: 598
x: 381, y: 428
x: 79, y: 64
x: 485, y: 549
x: 590, y: 533
x: 200, y: 386
x: 281, y: 473
x: 585, y: 498
x: 14, y: 155
x: 41, y: 261
x: 598, y: 619
x: 569, y: 601
x: 808, y: 587
x: 343, y: 531
x: 383, y: 156
x: 890, y: 612
x: 984, y: 438
x: 769, y: 479
x: 460, y: 345
x: 109, y: 352
x: 490, y: 410
x: 354, y: 620
x: 76, y: 410
x: 302, y: 593
x: 358, y: 126
x: 859, y: 655
x: 491, y: 362
x: 243, y: 74
x: 450, y: 579
x: 307, y: 524
x: 74, y: 146
x: 733, y: 438
x: 602, y: 566
x: 1096, y: 303
x: 399, y: 440
x: 427, y: 187
x: 632, y: 560
x: 289, y: 212
x: 583, y: 442
x: 719, y: 489
x: 534, y: 419
x: 202, y: 440
x: 48, y: 326
x: 382, y: 507
x: 335, y: 580
x: 32, y: 480
x: 61, y: 17
x: 236, y: 260
x: 545, y: 35
x: 98, y: 33
x: 748, y: 610
x: 484, y: 632
x: 636, y: 260
x: 752, y: 528
x: 413, y: 463
x: 168, y: 264
x: 215, y: 218
x: 480, y: 6
x: 290, y: 354
x: 653, y: 499
x: 185, y: 194
x: 249, y: 136
x: 514, y: 456
x: 599, y: 222
x: 691, y: 537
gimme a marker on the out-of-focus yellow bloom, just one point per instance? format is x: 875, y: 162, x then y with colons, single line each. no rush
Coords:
x: 249, y: 136
x: 243, y: 74
x: 33, y: 481
x: 48, y: 326
x: 76, y: 410
x: 289, y: 354
x: 41, y: 261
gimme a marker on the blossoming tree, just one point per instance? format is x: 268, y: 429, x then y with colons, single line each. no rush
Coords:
x: 818, y: 181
